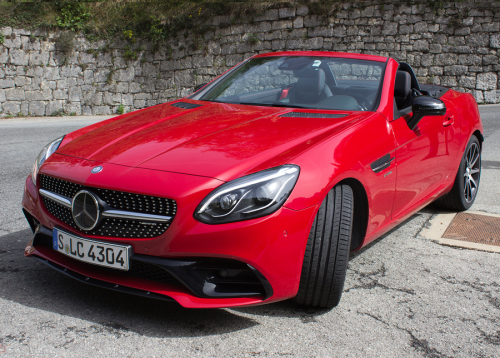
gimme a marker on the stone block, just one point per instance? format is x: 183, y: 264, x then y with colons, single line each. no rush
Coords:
x: 11, y: 107
x: 53, y: 107
x: 467, y: 82
x: 495, y: 41
x: 203, y: 61
x: 435, y: 71
x: 390, y: 28
x: 405, y: 29
x: 302, y: 11
x: 420, y: 27
x: 15, y: 94
x: 490, y: 60
x: 446, y: 59
x: 122, y: 87
x: 298, y: 22
x: 75, y: 94
x: 278, y: 45
x: 462, y: 31
x: 492, y: 96
x: 22, y: 81
x: 282, y: 24
x: 469, y: 60
x: 60, y: 94
x: 323, y: 31
x: 18, y: 57
x: 51, y: 73
x: 4, y: 55
x: 2, y: 96
x: 486, y: 81
x: 286, y: 12
x: 421, y: 45
x: 313, y: 21
x: 184, y: 78
x: 37, y: 108
x: 314, y: 43
x: 339, y: 31
x: 38, y: 58
x: 455, y: 70
x: 490, y: 27
x: 269, y: 15
x: 478, y: 40
x: 101, y: 110
x: 41, y: 95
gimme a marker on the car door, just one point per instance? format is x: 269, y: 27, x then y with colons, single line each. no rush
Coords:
x: 423, y: 157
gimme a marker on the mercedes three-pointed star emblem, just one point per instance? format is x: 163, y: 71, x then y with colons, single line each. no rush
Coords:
x: 85, y: 210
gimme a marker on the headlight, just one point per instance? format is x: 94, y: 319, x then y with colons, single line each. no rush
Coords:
x: 46, y: 152
x: 249, y: 197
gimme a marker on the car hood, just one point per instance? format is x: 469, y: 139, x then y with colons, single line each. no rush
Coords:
x: 216, y: 140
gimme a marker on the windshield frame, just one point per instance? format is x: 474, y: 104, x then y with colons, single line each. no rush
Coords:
x: 207, y: 89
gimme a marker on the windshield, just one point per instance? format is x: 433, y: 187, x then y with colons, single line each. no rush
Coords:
x: 303, y: 82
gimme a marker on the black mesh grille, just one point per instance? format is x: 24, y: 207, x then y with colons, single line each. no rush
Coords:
x: 59, y: 186
x: 118, y: 200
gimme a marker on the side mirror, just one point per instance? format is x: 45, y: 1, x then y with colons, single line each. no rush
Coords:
x: 197, y: 88
x: 425, y: 106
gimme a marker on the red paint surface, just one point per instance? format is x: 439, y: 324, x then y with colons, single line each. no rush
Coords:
x: 185, y: 154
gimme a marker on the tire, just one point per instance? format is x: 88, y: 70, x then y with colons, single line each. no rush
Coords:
x: 327, y: 251
x: 464, y: 191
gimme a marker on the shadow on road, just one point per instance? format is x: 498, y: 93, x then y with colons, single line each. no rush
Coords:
x: 32, y: 284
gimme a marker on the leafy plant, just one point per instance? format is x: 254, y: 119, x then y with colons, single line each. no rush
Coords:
x: 74, y: 15
x: 2, y: 38
x: 120, y: 109
x: 253, y: 39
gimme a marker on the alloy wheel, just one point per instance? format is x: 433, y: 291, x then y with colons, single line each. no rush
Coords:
x: 472, y: 172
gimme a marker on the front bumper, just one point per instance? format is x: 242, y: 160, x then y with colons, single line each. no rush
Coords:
x: 272, y: 248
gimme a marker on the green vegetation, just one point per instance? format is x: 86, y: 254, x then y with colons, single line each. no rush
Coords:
x: 158, y: 21
x: 120, y: 109
x: 253, y: 39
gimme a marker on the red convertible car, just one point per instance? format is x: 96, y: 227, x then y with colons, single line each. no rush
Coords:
x: 255, y: 188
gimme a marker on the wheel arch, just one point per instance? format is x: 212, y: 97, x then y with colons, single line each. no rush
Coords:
x: 479, y: 136
x: 361, y: 210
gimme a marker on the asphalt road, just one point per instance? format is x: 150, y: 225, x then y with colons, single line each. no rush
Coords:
x: 405, y: 296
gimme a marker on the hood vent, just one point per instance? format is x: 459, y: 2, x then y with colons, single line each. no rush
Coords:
x: 313, y: 115
x: 186, y: 105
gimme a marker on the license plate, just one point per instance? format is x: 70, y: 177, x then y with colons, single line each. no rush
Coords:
x: 90, y: 251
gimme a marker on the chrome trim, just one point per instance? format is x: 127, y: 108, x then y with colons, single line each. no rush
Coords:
x: 135, y: 216
x: 84, y: 211
x: 60, y: 199
x: 119, y: 214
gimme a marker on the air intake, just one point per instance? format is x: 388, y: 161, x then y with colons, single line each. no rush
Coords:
x: 313, y: 115
x: 186, y: 105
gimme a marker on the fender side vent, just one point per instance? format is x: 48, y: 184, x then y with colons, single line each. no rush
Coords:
x: 186, y: 105
x: 313, y: 115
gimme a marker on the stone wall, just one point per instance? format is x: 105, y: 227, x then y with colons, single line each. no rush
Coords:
x: 41, y: 73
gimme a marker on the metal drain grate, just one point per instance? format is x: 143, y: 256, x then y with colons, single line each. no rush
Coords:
x: 474, y: 228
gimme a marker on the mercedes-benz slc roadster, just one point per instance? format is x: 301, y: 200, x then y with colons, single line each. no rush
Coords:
x: 255, y: 188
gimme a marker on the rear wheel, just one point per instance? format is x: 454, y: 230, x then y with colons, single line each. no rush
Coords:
x: 464, y: 191
x: 327, y: 251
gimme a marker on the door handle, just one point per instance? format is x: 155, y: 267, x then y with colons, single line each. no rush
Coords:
x: 448, y: 121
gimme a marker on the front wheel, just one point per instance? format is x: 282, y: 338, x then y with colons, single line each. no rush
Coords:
x: 464, y: 191
x: 327, y: 251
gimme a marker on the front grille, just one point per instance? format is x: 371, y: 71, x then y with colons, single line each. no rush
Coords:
x: 138, y: 269
x: 111, y: 227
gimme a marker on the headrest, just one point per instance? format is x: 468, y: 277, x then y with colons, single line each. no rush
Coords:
x: 402, y: 86
x: 313, y: 84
